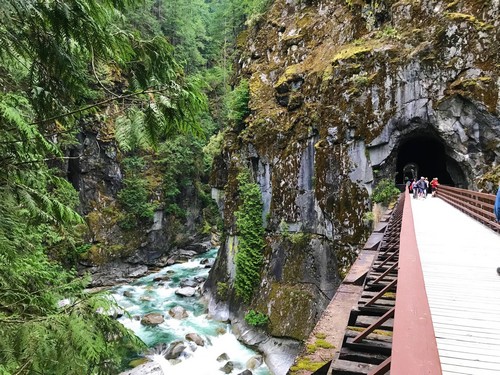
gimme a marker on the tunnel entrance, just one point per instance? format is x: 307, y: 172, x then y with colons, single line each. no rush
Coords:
x: 426, y: 156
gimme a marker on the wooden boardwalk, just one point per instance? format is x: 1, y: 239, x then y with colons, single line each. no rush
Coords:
x: 459, y: 260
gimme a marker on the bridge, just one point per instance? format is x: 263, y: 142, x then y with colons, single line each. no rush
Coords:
x: 423, y: 297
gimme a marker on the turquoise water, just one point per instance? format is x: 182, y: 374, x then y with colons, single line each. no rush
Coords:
x: 147, y: 296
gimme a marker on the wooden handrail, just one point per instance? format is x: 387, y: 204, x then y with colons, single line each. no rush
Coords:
x: 414, y: 348
x: 473, y: 203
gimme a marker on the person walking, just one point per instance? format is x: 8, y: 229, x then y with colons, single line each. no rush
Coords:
x: 414, y: 188
x: 434, y: 186
x: 422, y: 186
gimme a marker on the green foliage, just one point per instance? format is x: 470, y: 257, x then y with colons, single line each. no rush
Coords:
x: 249, y: 256
x: 36, y: 334
x: 163, y: 117
x: 134, y: 196
x: 322, y: 343
x: 369, y: 217
x: 284, y: 228
x: 300, y: 238
x: 102, y: 63
x: 237, y: 102
x: 52, y: 60
x: 181, y: 162
x: 222, y: 290
x: 385, y: 192
x: 256, y: 319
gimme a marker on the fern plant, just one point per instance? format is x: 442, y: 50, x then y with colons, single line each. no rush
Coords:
x: 249, y: 256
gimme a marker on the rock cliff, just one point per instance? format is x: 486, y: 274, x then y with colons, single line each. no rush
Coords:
x: 342, y: 94
x: 121, y: 244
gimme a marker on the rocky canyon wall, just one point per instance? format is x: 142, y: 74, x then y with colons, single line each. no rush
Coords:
x: 339, y: 92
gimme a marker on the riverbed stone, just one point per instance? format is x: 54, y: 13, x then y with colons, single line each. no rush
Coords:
x: 254, y: 362
x: 161, y: 278
x: 227, y: 368
x: 174, y: 350
x: 188, y: 283
x: 200, y: 279
x: 194, y: 337
x: 178, y: 312
x: 128, y: 294
x: 138, y: 271
x: 246, y: 372
x: 223, y: 357
x: 186, y: 292
x: 200, y: 247
x: 152, y: 319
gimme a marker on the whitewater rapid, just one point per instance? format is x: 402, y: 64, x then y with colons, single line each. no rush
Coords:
x: 148, y: 296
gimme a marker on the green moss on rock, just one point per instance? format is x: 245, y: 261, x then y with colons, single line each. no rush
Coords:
x: 291, y: 309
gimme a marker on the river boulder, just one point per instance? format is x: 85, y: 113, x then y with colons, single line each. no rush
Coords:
x: 161, y: 278
x: 186, y: 292
x: 223, y: 357
x: 174, y: 350
x: 246, y: 372
x: 194, y: 337
x: 188, y: 283
x: 227, y: 368
x: 178, y: 312
x: 254, y: 362
x: 152, y: 319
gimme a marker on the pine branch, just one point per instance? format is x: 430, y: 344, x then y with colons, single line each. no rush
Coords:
x: 101, y: 103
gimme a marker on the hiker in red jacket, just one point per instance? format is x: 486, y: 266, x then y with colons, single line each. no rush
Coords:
x: 434, y: 186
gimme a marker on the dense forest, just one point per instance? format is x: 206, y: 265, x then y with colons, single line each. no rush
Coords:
x: 158, y: 76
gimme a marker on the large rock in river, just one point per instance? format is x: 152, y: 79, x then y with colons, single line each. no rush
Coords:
x: 194, y: 337
x: 186, y: 292
x: 178, y: 312
x: 175, y: 349
x: 152, y: 319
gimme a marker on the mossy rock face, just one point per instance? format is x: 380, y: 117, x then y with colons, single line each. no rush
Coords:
x: 292, y: 310
x: 340, y: 75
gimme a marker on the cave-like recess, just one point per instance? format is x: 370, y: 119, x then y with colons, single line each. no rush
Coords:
x: 424, y: 155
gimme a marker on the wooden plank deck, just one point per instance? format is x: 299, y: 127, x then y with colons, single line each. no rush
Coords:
x: 459, y: 260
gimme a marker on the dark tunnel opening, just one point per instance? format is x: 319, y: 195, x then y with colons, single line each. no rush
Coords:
x: 426, y: 156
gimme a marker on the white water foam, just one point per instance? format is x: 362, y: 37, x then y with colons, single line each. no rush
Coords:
x: 146, y: 296
x: 203, y: 360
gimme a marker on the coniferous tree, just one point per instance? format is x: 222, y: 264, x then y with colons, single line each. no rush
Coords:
x: 55, y: 59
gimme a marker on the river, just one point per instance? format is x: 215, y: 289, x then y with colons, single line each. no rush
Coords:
x: 146, y: 295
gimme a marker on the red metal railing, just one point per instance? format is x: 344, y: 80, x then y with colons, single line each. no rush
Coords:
x: 473, y: 203
x: 414, y: 348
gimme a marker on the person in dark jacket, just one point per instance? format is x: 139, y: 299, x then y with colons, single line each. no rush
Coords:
x: 422, y: 186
